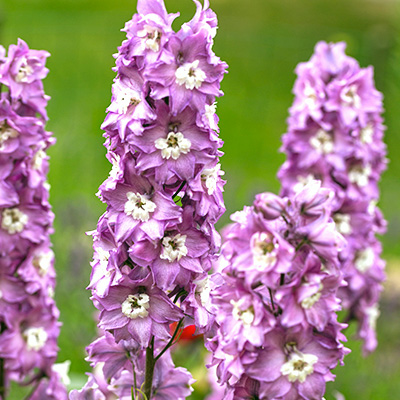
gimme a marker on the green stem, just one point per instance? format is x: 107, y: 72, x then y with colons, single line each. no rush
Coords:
x: 304, y: 241
x: 179, y: 189
x: 272, y: 300
x: 171, y: 342
x: 150, y: 363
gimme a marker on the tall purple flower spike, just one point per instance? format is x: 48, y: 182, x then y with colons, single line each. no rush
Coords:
x: 154, y: 245
x: 276, y: 334
x: 28, y: 314
x: 335, y: 135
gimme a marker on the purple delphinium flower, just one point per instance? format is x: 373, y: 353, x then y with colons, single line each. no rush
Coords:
x: 28, y: 314
x: 276, y: 334
x: 335, y: 135
x: 154, y: 245
x: 120, y: 369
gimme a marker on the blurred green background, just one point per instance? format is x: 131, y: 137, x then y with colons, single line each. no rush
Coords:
x: 262, y: 41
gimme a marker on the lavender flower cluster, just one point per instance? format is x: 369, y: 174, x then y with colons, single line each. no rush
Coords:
x: 335, y: 135
x: 155, y: 243
x: 276, y: 334
x: 28, y: 314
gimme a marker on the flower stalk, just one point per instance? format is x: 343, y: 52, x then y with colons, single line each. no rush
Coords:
x: 163, y: 196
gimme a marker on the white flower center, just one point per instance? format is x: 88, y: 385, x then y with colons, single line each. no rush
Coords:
x: 303, y: 181
x: 6, y: 132
x: 138, y: 206
x: 365, y: 259
x: 360, y: 175
x: 24, y: 71
x: 203, y: 289
x: 372, y: 207
x: 62, y: 370
x: 14, y: 220
x: 43, y: 261
x: 322, y: 142
x: 350, y: 96
x: 373, y: 315
x: 308, y: 302
x: 210, y: 112
x: 366, y: 134
x: 173, y: 145
x: 35, y: 338
x: 246, y: 316
x: 342, y: 222
x: 37, y: 159
x: 210, y: 177
x: 310, y: 96
x: 1, y: 294
x: 103, y: 255
x: 150, y: 38
x: 115, y: 169
x: 190, y: 75
x: 299, y: 366
x: 174, y: 248
x: 126, y: 98
x: 264, y: 247
x: 136, y: 306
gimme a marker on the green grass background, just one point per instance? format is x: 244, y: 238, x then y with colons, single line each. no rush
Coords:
x: 262, y: 41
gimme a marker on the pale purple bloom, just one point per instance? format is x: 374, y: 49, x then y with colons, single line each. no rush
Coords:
x: 27, y: 276
x: 335, y: 135
x: 276, y: 334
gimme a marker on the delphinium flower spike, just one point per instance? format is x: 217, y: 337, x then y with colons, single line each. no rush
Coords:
x: 28, y: 314
x: 335, y: 135
x: 276, y: 335
x: 155, y: 243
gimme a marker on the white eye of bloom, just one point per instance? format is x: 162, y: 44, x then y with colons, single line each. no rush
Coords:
x: 210, y: 177
x: 342, y: 222
x: 264, y: 248
x: 115, y: 169
x: 103, y: 255
x: 373, y: 315
x: 62, y: 370
x: 24, y: 71
x: 311, y: 95
x: 37, y: 159
x: 6, y: 132
x: 174, y: 248
x: 360, y: 175
x: 190, y: 75
x: 350, y: 96
x: 126, y: 98
x: 246, y: 316
x: 367, y: 134
x: 35, y: 338
x: 1, y: 294
x: 303, y: 181
x: 138, y: 206
x: 136, y: 306
x: 43, y: 261
x: 14, y: 220
x: 210, y: 112
x: 173, y: 145
x: 50, y: 292
x: 365, y: 259
x: 150, y: 38
x: 299, y: 366
x: 322, y: 142
x: 203, y: 289
x: 308, y: 302
x: 372, y: 207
